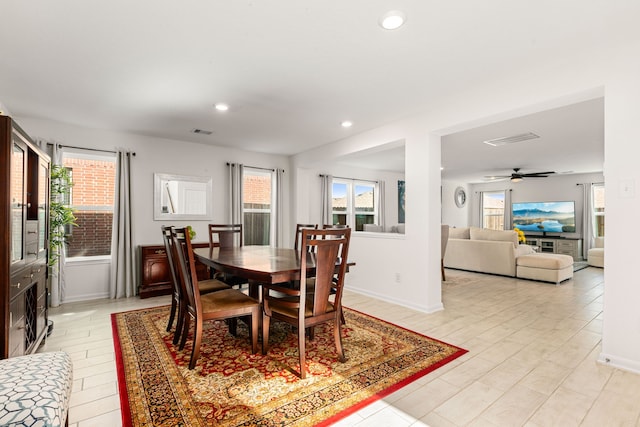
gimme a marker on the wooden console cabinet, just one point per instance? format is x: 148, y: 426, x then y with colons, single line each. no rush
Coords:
x: 559, y: 245
x: 24, y: 219
x: 155, y: 274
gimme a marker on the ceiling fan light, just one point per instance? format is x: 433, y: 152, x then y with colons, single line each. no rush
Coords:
x: 516, y: 179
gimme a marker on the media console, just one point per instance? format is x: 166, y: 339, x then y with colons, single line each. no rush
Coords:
x: 557, y: 245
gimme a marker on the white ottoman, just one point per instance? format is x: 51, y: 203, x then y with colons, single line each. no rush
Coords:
x: 553, y: 268
x: 35, y: 390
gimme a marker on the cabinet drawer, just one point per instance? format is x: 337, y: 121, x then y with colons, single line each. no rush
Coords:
x: 20, y: 281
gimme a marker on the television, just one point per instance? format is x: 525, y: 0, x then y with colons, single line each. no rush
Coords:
x: 544, y: 217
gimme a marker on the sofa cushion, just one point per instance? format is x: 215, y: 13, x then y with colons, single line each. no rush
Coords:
x: 459, y: 233
x: 476, y: 233
x: 545, y: 261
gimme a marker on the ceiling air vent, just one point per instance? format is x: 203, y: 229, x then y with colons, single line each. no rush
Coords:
x: 201, y: 131
x: 511, y: 139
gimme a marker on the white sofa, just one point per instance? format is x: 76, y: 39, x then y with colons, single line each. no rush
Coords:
x: 484, y: 251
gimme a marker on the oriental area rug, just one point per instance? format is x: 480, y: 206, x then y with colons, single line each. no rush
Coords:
x: 230, y: 386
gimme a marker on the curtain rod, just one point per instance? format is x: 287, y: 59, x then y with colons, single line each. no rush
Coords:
x: 351, y: 179
x: 85, y: 148
x: 592, y: 183
x: 253, y: 167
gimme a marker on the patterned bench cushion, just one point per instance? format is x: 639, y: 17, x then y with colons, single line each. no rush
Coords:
x: 35, y: 389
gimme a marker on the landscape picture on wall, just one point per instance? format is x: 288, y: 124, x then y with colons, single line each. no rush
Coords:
x: 546, y: 217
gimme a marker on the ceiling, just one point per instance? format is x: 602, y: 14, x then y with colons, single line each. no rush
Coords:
x: 293, y: 70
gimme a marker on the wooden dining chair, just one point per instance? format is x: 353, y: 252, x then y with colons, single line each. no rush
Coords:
x: 304, y: 308
x: 299, y: 228
x: 228, y: 304
x: 178, y: 296
x: 227, y: 236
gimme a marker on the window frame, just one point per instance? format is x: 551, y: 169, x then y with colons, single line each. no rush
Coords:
x: 485, y: 216
x: 250, y: 171
x: 351, y: 211
x: 69, y: 199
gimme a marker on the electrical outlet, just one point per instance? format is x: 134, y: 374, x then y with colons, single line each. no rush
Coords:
x: 397, y: 277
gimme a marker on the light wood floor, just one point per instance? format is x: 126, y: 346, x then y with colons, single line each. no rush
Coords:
x: 531, y: 361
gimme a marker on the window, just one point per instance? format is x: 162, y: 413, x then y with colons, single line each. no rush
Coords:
x: 598, y: 209
x: 257, y: 195
x: 493, y: 210
x: 354, y: 203
x: 92, y: 198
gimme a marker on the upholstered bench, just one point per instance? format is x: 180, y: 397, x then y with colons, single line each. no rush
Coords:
x: 545, y: 267
x: 35, y: 390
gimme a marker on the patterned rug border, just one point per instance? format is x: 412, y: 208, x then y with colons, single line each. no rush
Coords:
x: 127, y: 416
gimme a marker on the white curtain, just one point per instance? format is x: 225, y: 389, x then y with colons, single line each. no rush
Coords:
x: 58, y: 283
x: 507, y: 209
x: 235, y: 192
x: 279, y: 207
x: 480, y: 211
x: 381, y: 204
x: 587, y: 218
x: 325, y: 193
x: 123, y: 263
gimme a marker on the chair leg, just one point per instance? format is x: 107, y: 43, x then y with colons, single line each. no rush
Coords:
x: 265, y: 333
x: 172, y: 314
x: 197, y: 341
x: 180, y: 323
x: 337, y: 333
x: 255, y: 319
x: 185, y: 332
x: 301, y: 351
x: 442, y: 269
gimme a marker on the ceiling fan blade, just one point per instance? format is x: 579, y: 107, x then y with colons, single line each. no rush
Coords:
x: 534, y: 174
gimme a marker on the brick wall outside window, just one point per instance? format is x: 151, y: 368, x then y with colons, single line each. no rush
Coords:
x: 92, y: 197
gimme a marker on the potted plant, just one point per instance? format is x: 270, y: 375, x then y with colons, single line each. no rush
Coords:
x: 60, y: 213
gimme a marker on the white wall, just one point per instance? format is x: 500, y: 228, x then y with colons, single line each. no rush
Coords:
x: 452, y: 215
x: 154, y: 155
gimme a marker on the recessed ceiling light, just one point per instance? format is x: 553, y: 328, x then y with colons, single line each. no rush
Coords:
x: 392, y: 20
x: 346, y: 124
x: 220, y: 106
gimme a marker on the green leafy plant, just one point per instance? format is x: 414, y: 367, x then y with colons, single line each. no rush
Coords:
x: 60, y: 213
x: 192, y: 232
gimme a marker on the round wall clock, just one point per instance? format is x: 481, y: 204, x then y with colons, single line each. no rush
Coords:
x: 460, y: 197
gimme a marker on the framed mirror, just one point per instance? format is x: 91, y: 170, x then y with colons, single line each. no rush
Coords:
x: 181, y: 197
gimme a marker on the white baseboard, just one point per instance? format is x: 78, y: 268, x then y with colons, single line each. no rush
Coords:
x: 619, y: 362
x: 400, y: 302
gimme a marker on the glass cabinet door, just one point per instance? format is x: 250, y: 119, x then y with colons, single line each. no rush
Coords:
x: 18, y: 159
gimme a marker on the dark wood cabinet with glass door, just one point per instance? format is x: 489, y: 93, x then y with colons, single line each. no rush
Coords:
x: 24, y: 213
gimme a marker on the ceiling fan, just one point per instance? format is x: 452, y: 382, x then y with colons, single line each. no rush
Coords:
x: 516, y: 176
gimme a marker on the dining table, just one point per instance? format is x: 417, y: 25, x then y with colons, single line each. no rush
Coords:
x: 257, y: 264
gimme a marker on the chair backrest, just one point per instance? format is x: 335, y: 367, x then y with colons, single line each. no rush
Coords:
x: 299, y: 228
x: 187, y: 268
x: 225, y: 235
x: 329, y: 249
x: 444, y: 238
x: 169, y: 249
